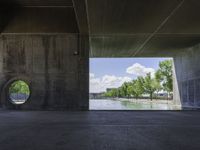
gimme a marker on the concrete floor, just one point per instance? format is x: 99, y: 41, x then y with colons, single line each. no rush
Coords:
x: 100, y: 130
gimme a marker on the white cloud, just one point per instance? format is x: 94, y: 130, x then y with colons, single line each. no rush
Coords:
x: 100, y: 84
x: 91, y: 75
x: 139, y: 70
x: 107, y: 81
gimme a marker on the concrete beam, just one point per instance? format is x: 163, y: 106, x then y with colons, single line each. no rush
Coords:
x: 81, y: 16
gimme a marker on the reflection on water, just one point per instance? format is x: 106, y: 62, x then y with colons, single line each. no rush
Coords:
x: 108, y: 104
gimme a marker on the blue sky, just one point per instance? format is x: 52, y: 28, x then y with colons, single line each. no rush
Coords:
x: 112, y: 72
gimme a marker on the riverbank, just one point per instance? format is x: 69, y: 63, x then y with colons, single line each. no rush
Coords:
x: 148, y: 101
x: 144, y: 100
x: 132, y: 104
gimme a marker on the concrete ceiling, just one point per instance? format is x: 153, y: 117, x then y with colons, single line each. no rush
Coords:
x: 38, y: 2
x: 116, y: 28
x: 42, y: 20
x: 37, y: 16
x: 128, y: 28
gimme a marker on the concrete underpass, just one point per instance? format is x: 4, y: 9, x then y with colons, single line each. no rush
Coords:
x: 48, y: 43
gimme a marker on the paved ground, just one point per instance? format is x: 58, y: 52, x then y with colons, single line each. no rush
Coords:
x: 100, y: 130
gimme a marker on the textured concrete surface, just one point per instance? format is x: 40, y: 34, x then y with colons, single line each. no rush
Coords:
x: 128, y: 28
x: 117, y: 28
x: 58, y: 79
x: 188, y: 77
x: 100, y: 130
x: 46, y: 44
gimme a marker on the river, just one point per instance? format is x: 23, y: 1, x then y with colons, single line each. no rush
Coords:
x: 109, y: 104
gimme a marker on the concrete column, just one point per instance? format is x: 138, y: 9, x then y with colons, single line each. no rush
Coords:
x: 187, y: 68
x: 176, y: 95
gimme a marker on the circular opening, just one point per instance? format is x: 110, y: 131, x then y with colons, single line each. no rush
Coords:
x: 19, y: 92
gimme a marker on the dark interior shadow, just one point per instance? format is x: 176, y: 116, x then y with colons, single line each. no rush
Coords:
x: 8, y: 10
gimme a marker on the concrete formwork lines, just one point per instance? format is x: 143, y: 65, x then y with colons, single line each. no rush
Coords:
x: 158, y: 28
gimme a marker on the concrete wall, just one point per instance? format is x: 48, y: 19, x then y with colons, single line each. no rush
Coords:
x: 187, y: 66
x: 176, y: 94
x: 38, y: 20
x: 54, y: 65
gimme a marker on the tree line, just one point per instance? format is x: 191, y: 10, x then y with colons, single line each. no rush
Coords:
x: 19, y: 87
x: 148, y: 84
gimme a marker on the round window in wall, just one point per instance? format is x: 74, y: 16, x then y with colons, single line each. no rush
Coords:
x: 19, y: 92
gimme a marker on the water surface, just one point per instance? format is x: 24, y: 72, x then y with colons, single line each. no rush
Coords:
x: 109, y: 104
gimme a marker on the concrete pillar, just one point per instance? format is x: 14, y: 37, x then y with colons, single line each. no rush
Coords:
x: 187, y: 68
x: 176, y: 94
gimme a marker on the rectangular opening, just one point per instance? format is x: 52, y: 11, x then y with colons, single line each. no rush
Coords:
x: 132, y: 84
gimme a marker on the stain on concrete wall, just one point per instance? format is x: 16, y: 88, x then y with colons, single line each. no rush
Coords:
x: 58, y: 78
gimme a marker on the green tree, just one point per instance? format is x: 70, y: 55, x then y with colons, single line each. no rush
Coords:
x: 164, y: 75
x: 124, y: 89
x: 107, y: 94
x: 129, y: 89
x: 112, y: 93
x: 135, y: 88
x: 138, y: 89
x: 158, y: 85
x: 150, y: 85
x: 19, y: 87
